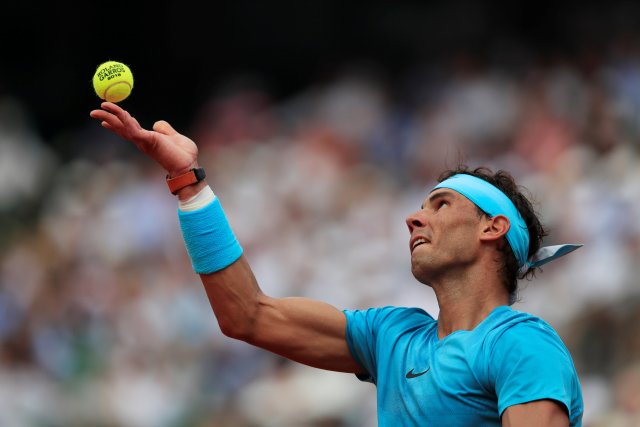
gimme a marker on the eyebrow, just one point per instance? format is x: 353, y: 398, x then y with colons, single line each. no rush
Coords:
x: 438, y: 195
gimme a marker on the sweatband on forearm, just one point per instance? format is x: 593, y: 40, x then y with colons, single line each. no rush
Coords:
x: 209, y: 240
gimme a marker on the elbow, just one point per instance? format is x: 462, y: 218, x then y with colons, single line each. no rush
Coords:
x: 245, y: 322
x: 233, y: 329
x: 240, y: 326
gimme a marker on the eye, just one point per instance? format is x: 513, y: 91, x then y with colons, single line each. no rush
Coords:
x: 441, y: 203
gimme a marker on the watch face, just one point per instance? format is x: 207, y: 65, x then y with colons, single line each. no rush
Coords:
x: 199, y: 173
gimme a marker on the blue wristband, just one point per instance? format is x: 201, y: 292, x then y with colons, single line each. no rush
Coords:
x: 210, y: 242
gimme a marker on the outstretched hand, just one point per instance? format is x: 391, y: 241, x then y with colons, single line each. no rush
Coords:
x: 174, y: 152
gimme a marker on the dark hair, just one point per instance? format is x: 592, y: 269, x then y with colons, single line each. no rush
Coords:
x: 505, y: 182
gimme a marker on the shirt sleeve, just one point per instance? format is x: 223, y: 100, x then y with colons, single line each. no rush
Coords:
x: 363, y: 328
x: 529, y: 362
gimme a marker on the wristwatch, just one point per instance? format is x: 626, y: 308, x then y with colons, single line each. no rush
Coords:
x: 193, y: 176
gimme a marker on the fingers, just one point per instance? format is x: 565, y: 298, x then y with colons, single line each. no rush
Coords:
x: 112, y: 108
x: 120, y: 121
x: 164, y: 128
x: 109, y: 114
x: 107, y: 108
x: 107, y: 119
x: 113, y: 114
x: 123, y: 115
x: 163, y: 144
x: 100, y: 114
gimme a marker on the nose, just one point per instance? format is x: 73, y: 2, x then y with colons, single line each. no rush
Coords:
x: 414, y: 221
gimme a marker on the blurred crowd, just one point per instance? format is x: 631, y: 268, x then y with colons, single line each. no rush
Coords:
x: 103, y: 322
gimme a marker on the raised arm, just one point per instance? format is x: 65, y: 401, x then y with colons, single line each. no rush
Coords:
x: 304, y: 330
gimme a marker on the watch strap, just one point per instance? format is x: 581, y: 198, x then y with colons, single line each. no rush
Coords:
x: 193, y: 176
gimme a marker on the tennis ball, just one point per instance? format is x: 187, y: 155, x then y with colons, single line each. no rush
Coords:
x: 113, y: 81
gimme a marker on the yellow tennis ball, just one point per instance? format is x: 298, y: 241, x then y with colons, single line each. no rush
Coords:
x: 113, y: 81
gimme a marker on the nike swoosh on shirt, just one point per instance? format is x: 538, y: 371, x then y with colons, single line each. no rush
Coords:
x: 410, y: 374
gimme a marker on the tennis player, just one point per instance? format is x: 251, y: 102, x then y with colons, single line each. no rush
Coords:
x: 480, y: 363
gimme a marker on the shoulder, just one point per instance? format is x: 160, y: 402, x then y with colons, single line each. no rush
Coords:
x: 522, y: 338
x: 388, y: 317
x: 523, y: 344
x: 390, y: 313
x: 524, y: 341
x: 516, y: 328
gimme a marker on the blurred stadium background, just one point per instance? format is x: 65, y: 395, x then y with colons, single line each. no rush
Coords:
x: 321, y: 125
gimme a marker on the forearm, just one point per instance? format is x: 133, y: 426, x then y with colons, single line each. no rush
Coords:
x: 217, y: 256
x: 234, y: 296
x: 307, y: 331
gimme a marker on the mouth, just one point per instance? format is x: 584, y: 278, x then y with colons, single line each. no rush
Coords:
x: 417, y: 241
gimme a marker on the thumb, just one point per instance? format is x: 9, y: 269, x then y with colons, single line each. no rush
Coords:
x: 164, y: 128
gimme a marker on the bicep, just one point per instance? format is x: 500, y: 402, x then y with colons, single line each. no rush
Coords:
x: 304, y: 330
x: 548, y: 413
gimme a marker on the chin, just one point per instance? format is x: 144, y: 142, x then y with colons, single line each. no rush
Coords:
x: 421, y: 276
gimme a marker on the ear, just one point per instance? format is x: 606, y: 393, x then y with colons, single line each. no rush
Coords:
x: 494, y: 228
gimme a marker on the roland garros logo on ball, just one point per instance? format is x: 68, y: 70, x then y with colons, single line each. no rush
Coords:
x: 110, y: 71
x: 113, y: 81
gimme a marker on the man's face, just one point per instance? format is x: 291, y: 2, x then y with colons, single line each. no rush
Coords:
x: 444, y: 235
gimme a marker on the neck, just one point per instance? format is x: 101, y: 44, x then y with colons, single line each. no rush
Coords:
x: 465, y: 302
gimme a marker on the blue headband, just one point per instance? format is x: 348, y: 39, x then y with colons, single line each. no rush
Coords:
x: 494, y: 202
